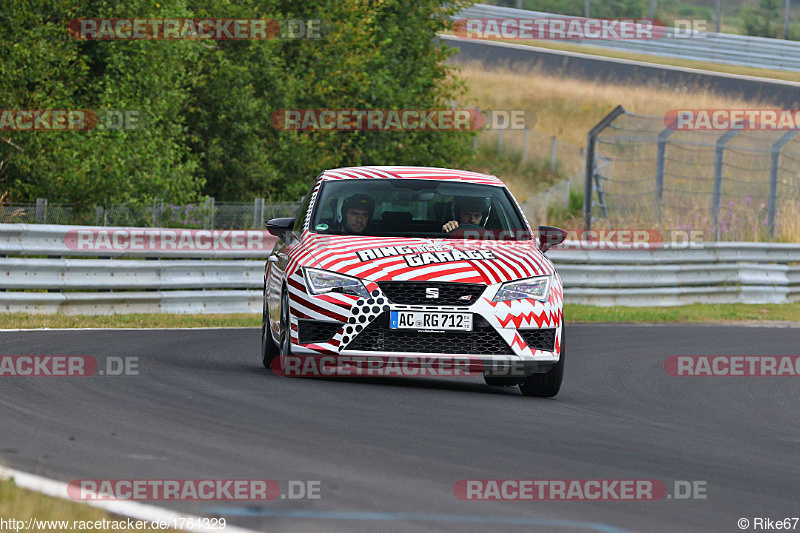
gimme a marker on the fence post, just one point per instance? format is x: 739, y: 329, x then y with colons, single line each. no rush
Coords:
x: 527, y: 143
x: 566, y: 193
x: 158, y: 212
x: 258, y: 213
x: 41, y: 210
x: 719, y: 160
x: 591, y: 141
x: 500, y: 141
x: 98, y: 216
x: 212, y: 212
x: 663, y: 137
x: 553, y: 148
x: 772, y: 208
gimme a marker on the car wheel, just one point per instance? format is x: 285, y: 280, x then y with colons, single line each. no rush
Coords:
x: 500, y: 381
x: 269, y: 350
x: 548, y: 384
x: 286, y: 326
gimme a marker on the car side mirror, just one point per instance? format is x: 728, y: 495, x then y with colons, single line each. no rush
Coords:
x: 550, y: 236
x: 281, y: 228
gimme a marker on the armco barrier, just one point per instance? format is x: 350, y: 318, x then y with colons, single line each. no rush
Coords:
x: 53, y: 240
x: 231, y: 281
x: 756, y: 52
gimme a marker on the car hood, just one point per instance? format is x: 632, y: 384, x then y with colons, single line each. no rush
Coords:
x: 419, y: 259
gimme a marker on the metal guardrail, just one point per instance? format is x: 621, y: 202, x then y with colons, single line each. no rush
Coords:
x: 756, y: 52
x: 110, y: 303
x: 673, y: 274
x: 49, y: 240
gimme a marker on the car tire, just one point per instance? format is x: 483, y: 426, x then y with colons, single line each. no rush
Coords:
x: 500, y: 381
x: 548, y: 384
x: 269, y: 350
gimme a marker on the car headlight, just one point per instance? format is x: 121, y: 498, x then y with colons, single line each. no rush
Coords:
x: 535, y: 288
x: 322, y: 281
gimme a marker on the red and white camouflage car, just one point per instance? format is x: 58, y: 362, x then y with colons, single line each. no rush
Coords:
x: 415, y: 261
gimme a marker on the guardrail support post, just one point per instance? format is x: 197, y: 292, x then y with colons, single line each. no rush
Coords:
x: 663, y: 137
x: 772, y: 208
x: 719, y: 160
x: 591, y: 141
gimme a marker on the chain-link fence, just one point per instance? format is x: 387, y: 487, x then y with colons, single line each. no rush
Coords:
x: 734, y: 184
x: 206, y: 215
x: 549, y: 155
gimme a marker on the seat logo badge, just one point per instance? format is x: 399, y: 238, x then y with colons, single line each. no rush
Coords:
x: 466, y: 297
x: 431, y: 292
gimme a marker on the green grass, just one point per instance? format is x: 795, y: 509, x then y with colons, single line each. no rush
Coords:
x: 709, y: 313
x: 702, y: 313
x: 22, y: 504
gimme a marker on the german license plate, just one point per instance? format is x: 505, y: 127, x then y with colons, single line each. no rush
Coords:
x: 430, y: 320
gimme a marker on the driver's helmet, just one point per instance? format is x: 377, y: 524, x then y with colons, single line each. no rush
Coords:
x: 473, y: 203
x: 361, y: 201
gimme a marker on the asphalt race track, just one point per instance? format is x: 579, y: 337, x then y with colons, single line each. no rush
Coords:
x: 622, y: 71
x: 388, y: 451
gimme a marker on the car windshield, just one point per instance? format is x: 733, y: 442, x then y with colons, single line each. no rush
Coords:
x: 417, y: 208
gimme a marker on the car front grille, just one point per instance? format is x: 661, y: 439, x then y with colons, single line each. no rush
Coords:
x: 539, y: 339
x: 378, y: 337
x: 316, y: 331
x: 417, y: 293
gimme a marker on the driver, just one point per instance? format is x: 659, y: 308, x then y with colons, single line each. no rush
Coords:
x: 356, y: 212
x: 469, y: 210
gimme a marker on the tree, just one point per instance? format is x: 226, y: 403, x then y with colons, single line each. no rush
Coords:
x: 379, y: 54
x: 44, y: 68
x: 209, y: 103
x: 765, y: 21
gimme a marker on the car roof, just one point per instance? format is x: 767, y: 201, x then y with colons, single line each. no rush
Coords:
x: 421, y: 173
